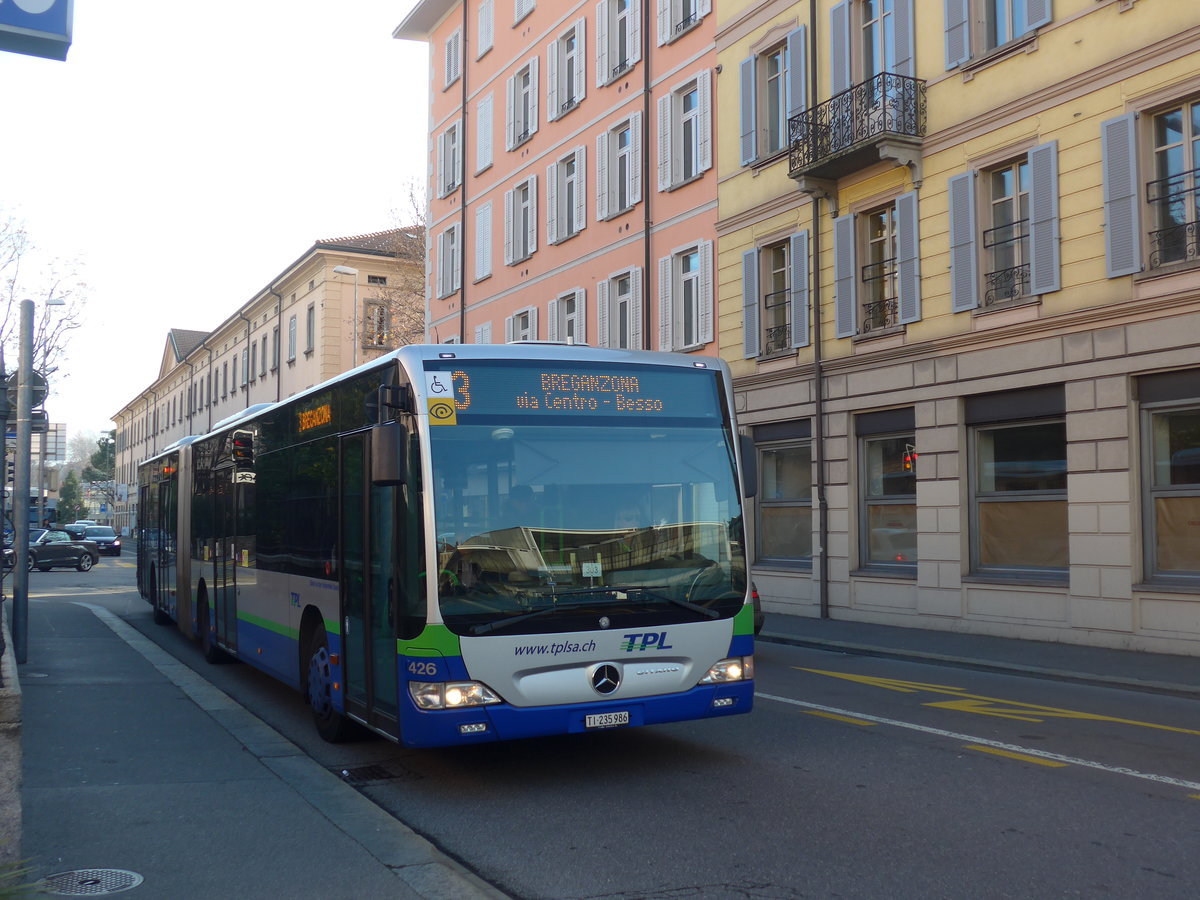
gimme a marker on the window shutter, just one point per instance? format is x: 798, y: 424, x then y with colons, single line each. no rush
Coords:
x: 509, y: 227
x: 552, y: 203
x: 908, y: 253
x: 1122, y: 238
x: 964, y: 277
x: 798, y: 257
x: 664, y: 21
x: 552, y: 320
x: 635, y: 31
x: 552, y: 61
x: 602, y: 312
x: 483, y: 133
x: 797, y: 71
x: 479, y: 335
x: 747, y: 75
x: 602, y: 144
x: 1037, y: 13
x: 508, y: 330
x: 750, y: 304
x: 666, y: 309
x: 635, y: 310
x: 580, y: 59
x: 958, y: 32
x: 703, y: 8
x: 665, y: 104
x: 442, y: 180
x: 603, y: 67
x: 483, y: 241
x: 839, y: 47
x: 510, y: 117
x: 902, y: 38
x: 439, y: 268
x: 456, y: 258
x: 635, y: 151
x: 1044, y: 262
x: 580, y: 315
x: 532, y: 229
x: 706, y: 292
x: 533, y: 96
x: 533, y: 323
x: 580, y: 188
x: 487, y: 28
x: 704, y: 86
x: 844, y: 295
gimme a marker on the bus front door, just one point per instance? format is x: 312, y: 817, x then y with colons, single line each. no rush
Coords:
x: 224, y: 588
x: 368, y: 588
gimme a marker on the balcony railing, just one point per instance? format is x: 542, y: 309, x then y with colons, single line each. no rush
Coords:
x: 880, y: 315
x: 1176, y: 200
x: 777, y: 338
x: 827, y: 140
x: 1008, y: 279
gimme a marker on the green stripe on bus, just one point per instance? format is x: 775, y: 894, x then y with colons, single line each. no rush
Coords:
x: 743, y: 622
x: 435, y: 640
x: 269, y: 625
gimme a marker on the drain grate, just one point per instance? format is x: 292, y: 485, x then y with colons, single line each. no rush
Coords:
x: 90, y: 882
x: 366, y: 774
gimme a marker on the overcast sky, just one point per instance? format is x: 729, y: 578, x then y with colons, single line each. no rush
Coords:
x: 185, y: 153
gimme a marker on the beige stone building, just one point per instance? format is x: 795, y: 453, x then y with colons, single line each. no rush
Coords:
x: 297, y: 331
x: 959, y: 284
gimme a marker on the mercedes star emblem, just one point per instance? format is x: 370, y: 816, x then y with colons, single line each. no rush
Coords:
x: 606, y: 679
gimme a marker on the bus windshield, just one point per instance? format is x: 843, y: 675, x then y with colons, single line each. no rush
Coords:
x: 560, y: 520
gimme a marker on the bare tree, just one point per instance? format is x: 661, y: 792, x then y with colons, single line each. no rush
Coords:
x: 405, y: 294
x: 55, y: 281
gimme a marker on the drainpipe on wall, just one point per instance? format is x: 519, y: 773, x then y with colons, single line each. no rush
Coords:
x: 818, y: 370
x: 462, y: 200
x: 647, y: 191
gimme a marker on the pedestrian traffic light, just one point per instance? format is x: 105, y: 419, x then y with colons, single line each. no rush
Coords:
x: 242, y: 448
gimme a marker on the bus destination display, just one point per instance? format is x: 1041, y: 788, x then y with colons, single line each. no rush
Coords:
x: 636, y: 392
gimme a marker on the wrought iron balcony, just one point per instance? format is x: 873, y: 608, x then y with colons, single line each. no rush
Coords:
x: 853, y: 129
x: 1174, y: 200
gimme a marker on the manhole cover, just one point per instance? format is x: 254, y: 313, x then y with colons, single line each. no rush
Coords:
x: 90, y: 882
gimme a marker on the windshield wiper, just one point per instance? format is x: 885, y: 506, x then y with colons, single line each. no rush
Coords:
x: 496, y: 625
x: 666, y: 598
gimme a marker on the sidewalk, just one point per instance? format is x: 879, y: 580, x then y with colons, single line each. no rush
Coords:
x: 137, y: 768
x: 1090, y: 665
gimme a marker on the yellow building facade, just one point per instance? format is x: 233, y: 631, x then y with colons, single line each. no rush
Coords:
x: 958, y: 277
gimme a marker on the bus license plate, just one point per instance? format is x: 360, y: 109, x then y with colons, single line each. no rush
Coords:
x: 606, y: 720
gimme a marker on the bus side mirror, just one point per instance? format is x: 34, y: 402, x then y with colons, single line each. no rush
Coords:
x: 749, y: 465
x: 388, y: 455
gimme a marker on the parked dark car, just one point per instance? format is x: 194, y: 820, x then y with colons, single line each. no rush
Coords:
x: 107, y: 540
x: 52, y: 547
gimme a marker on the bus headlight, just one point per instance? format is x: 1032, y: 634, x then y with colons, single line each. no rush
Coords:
x: 736, y: 668
x: 450, y: 694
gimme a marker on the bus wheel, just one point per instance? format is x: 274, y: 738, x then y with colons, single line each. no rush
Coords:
x: 212, y: 653
x: 331, y: 724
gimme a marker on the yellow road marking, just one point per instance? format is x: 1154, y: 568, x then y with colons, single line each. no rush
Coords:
x: 837, y: 718
x: 990, y: 706
x: 1023, y: 757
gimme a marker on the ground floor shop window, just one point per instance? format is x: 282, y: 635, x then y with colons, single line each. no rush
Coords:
x: 784, y: 532
x: 889, y: 497
x: 1171, y: 430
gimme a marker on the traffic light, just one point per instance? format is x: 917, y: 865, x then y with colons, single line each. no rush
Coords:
x: 242, y: 449
x: 10, y: 471
x: 910, y: 457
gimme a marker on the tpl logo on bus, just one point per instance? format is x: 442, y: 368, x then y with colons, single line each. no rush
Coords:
x: 650, y: 640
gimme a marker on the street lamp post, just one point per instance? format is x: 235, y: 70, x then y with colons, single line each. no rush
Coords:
x: 347, y: 270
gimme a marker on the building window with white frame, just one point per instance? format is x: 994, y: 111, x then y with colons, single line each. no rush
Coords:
x: 292, y: 339
x: 775, y: 297
x: 483, y: 333
x: 619, y: 310
x: 772, y: 89
x: 274, y: 348
x: 520, y: 222
x: 976, y: 28
x: 376, y: 325
x: 522, y: 8
x: 485, y: 28
x: 783, y: 535
x: 678, y: 17
x: 685, y: 132
x: 566, y: 196
x: 310, y: 328
x: 1006, y: 241
x: 1170, y: 418
x: 618, y: 168
x: 618, y: 38
x: 484, y: 129
x: 877, y: 279
x: 449, y: 159
x: 449, y: 258
x: 522, y: 325
x: 453, y: 59
x: 565, y: 70
x: 686, y: 298
x: 521, y: 106
x: 567, y: 317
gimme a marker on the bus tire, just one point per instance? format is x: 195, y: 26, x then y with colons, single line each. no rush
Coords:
x: 212, y: 653
x: 331, y: 724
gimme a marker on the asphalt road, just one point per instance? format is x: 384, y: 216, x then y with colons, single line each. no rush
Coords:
x: 854, y: 777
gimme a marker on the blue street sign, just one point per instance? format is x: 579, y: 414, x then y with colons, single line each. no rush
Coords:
x: 36, y: 27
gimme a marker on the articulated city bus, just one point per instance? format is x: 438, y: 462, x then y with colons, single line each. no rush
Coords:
x: 463, y: 543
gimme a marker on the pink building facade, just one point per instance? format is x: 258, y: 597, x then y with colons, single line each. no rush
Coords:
x: 572, y: 184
